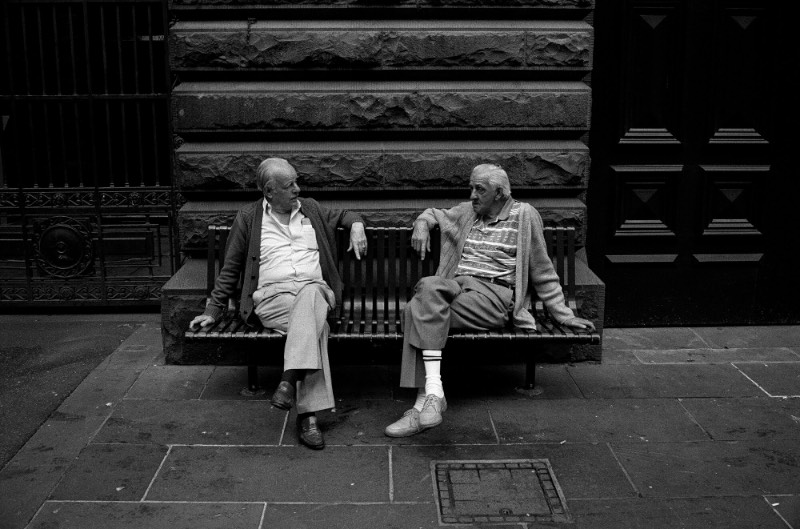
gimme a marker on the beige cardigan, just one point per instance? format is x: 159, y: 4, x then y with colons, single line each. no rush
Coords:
x: 534, y: 266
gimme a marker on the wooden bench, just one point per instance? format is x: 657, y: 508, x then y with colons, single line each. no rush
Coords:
x: 376, y: 289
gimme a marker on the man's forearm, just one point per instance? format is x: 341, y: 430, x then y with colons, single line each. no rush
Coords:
x: 427, y: 217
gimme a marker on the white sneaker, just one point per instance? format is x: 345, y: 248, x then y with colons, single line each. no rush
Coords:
x: 406, y: 426
x: 431, y: 414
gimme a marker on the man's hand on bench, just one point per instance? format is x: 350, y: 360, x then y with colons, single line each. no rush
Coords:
x: 579, y: 323
x: 202, y: 321
x: 358, y: 240
x: 421, y: 238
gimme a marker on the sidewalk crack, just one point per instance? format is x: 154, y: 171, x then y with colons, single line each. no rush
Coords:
x: 624, y: 470
x: 494, y: 428
x: 680, y: 402
x: 153, y: 480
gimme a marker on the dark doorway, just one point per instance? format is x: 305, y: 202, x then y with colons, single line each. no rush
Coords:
x: 86, y: 201
x: 691, y: 200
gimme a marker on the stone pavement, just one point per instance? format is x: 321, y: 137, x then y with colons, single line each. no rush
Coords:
x: 679, y: 427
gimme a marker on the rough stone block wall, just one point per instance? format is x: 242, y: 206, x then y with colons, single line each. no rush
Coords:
x: 379, y: 101
x: 383, y: 107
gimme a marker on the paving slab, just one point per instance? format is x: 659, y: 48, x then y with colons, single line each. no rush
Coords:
x: 553, y: 382
x: 33, y: 472
x: 170, y: 382
x: 715, y: 468
x: 620, y: 356
x: 116, y: 472
x: 82, y: 515
x: 716, y: 356
x: 750, y: 418
x: 227, y: 383
x: 211, y: 473
x: 26, y: 481
x: 362, y: 422
x: 778, y: 380
x: 787, y: 507
x: 593, y: 421
x: 385, y: 515
x: 652, y: 338
x: 42, y: 360
x: 193, y: 422
x: 695, y: 513
x: 661, y: 381
x: 751, y: 336
x: 583, y: 470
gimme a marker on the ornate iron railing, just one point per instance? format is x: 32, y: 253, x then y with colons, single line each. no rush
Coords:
x: 86, y: 203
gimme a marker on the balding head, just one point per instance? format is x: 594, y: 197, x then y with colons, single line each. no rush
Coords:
x: 269, y: 170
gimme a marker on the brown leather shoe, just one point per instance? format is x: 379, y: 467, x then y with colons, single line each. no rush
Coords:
x: 283, y: 397
x: 309, y: 433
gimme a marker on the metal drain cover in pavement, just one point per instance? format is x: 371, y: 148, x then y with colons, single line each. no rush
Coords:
x: 508, y: 490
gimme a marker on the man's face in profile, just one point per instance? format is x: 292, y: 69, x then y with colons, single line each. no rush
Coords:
x: 482, y: 194
x: 285, y: 191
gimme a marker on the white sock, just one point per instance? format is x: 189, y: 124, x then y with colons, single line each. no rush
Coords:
x: 433, y: 378
x: 420, y: 399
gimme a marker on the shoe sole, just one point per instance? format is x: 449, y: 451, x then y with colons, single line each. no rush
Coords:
x: 281, y: 405
x: 400, y: 435
x: 421, y: 429
x: 426, y: 426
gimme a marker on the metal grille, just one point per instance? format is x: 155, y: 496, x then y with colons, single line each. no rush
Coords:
x: 86, y: 202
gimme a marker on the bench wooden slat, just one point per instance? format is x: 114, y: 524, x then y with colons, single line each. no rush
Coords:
x: 211, y: 259
x: 394, y: 289
x: 559, y: 247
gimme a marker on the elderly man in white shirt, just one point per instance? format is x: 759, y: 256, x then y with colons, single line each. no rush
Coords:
x: 286, y: 247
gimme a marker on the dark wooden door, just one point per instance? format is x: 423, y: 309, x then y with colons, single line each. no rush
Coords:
x: 692, y: 199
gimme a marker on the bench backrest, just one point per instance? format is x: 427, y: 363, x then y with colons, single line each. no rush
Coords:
x: 377, y: 287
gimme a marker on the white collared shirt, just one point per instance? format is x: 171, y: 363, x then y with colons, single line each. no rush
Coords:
x: 288, y: 253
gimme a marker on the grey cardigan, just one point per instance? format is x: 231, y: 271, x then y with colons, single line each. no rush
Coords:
x: 244, y: 252
x: 534, y: 267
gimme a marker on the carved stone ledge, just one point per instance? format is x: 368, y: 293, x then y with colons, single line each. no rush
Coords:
x: 381, y: 45
x: 546, y: 164
x: 381, y: 106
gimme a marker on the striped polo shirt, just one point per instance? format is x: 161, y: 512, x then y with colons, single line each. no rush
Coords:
x: 490, y: 250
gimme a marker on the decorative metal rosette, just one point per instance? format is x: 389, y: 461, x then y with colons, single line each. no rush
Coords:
x: 63, y: 247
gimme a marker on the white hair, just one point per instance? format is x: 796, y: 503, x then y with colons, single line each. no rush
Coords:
x: 496, y: 175
x: 268, y: 171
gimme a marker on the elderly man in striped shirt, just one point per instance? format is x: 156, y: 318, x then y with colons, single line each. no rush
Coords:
x: 492, y: 254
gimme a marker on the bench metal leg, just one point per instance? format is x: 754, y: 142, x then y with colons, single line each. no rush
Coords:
x: 252, y: 378
x: 530, y: 375
x: 253, y: 388
x: 529, y: 388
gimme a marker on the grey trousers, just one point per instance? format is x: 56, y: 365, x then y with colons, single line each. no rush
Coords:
x: 440, y: 305
x: 300, y: 310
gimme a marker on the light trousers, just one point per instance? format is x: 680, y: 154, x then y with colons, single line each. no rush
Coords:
x: 300, y: 310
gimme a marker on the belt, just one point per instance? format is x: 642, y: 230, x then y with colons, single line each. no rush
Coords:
x: 495, y: 281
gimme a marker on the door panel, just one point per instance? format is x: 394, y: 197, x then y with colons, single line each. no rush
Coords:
x: 689, y: 202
